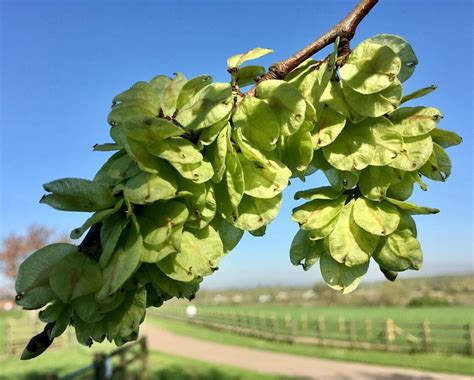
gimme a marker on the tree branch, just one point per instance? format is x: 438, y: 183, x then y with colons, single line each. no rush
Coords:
x: 345, y: 29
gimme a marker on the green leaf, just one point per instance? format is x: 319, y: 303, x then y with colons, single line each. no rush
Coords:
x: 264, y: 181
x: 402, y: 49
x: 254, y: 213
x: 325, y: 192
x: 74, y: 276
x: 103, y: 175
x: 305, y: 252
x: 75, y: 194
x: 191, y: 88
x: 88, y: 309
x: 147, y: 188
x: 36, y: 269
x: 418, y: 93
x: 35, y: 298
x: 159, y: 220
x: 401, y: 190
x: 209, y: 135
x: 229, y: 234
x: 412, y: 208
x: 354, y: 149
x: 140, y: 94
x: 236, y: 60
x: 203, y: 210
x: 216, y: 154
x: 348, y: 243
x: 176, y: 149
x: 248, y: 75
x: 97, y: 217
x: 198, y: 172
x: 210, y: 105
x: 438, y: 166
x: 377, y: 218
x: 234, y: 179
x: 340, y: 180
x: 318, y: 213
x: 414, y: 153
x: 415, y: 121
x: 169, y: 286
x: 388, y: 141
x: 107, y: 147
x: 122, y: 168
x: 110, y: 233
x: 314, y: 81
x: 370, y: 68
x: 258, y: 123
x: 333, y: 96
x: 340, y: 277
x: 169, y: 97
x: 125, y: 320
x: 122, y: 265
x: 249, y: 151
x: 152, y: 129
x: 201, y: 251
x: 399, y: 251
x: 327, y: 128
x: 376, y: 104
x: 286, y: 102
x: 445, y: 138
x: 297, y: 152
x: 374, y: 182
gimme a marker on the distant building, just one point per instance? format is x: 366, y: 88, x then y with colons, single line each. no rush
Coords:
x: 237, y: 298
x: 220, y: 298
x: 264, y: 298
x: 308, y: 295
x: 282, y: 296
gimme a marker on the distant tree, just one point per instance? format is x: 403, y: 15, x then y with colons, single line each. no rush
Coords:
x: 15, y: 248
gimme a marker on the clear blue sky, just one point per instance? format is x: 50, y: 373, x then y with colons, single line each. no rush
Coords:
x: 63, y: 61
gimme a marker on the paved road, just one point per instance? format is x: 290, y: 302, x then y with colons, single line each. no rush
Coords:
x: 298, y: 367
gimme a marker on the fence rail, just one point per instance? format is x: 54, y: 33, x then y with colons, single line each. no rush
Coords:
x: 103, y: 367
x: 340, y: 332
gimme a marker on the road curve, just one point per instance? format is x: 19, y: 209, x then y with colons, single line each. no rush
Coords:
x: 298, y: 367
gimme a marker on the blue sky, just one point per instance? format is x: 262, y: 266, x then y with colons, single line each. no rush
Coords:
x: 63, y: 61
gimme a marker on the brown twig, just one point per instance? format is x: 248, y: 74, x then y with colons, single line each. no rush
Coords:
x: 345, y: 30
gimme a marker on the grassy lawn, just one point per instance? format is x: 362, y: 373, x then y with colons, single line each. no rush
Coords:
x: 443, y: 314
x: 432, y: 362
x: 161, y: 366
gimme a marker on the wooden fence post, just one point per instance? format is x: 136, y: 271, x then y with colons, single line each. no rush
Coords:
x: 368, y: 329
x: 352, y: 333
x: 99, y: 366
x: 144, y: 357
x: 274, y: 325
x: 321, y: 327
x: 426, y: 335
x: 293, y: 328
x: 288, y: 321
x: 304, y: 322
x: 470, y: 337
x: 389, y: 333
x: 341, y: 324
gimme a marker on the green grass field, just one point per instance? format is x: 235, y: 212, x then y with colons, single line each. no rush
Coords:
x: 432, y: 362
x: 442, y: 315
